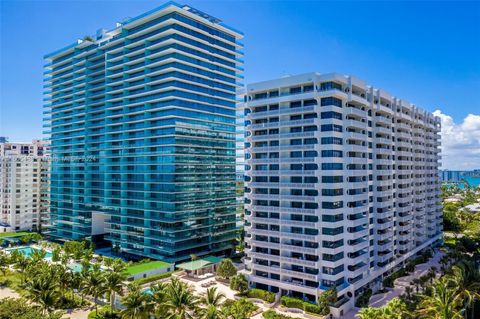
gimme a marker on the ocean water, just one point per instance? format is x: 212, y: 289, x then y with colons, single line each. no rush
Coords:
x: 473, y: 181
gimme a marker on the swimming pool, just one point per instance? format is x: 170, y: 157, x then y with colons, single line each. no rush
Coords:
x: 27, y: 251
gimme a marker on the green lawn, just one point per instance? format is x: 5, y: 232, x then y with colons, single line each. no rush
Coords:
x: 138, y: 268
x: 13, y: 234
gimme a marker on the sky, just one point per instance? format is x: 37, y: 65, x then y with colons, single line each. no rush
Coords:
x: 424, y: 52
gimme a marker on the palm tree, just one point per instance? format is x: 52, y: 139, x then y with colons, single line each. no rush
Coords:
x: 466, y: 278
x: 138, y: 305
x: 395, y: 309
x: 159, y: 297
x: 370, y: 313
x: 21, y: 263
x: 211, y: 312
x: 240, y: 309
x: 211, y: 303
x: 4, y: 263
x: 444, y: 303
x: 181, y: 302
x: 94, y: 285
x: 42, y: 290
x: 114, y: 284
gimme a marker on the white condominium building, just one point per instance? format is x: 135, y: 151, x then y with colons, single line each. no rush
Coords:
x: 342, y: 185
x: 23, y: 196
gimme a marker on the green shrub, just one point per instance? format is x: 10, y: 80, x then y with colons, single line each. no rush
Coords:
x: 267, y: 296
x: 271, y: 314
x: 104, y: 313
x: 291, y: 302
x: 363, y: 299
x: 389, y: 281
x: 313, y: 308
x: 147, y: 280
x: 226, y: 269
x: 239, y: 283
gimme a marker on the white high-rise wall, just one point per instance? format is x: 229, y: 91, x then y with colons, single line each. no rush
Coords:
x: 23, y: 170
x: 342, y: 185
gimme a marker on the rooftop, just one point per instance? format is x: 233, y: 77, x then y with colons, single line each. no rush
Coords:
x: 200, y: 263
x: 142, y: 267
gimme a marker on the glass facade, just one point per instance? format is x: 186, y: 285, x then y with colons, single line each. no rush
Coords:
x: 145, y: 114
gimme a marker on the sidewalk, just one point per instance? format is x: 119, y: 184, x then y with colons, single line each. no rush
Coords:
x: 400, y: 284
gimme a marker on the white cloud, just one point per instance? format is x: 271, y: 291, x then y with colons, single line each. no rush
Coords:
x: 460, y: 142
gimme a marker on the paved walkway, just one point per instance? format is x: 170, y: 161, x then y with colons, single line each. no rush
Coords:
x: 400, y: 284
x: 6, y: 292
x: 79, y: 313
x: 380, y: 300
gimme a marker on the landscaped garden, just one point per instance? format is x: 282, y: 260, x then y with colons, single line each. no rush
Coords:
x: 453, y: 290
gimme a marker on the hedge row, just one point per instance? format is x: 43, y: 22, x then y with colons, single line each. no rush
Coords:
x: 271, y: 314
x: 147, y: 280
x: 267, y: 296
x: 291, y: 302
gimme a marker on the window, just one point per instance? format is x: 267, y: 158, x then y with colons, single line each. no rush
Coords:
x: 332, y: 231
x: 296, y: 142
x: 310, y: 116
x: 296, y: 90
x: 330, y: 86
x: 332, y: 140
x: 332, y: 192
x: 332, y: 166
x: 260, y: 96
x: 295, y: 154
x: 310, y: 128
x: 310, y: 141
x: 332, y: 205
x: 296, y: 179
x: 331, y: 128
x: 295, y: 104
x: 331, y: 101
x: 332, y: 153
x: 310, y: 179
x: 332, y: 179
x: 331, y: 115
x: 332, y: 219
x: 273, y: 93
x: 310, y: 154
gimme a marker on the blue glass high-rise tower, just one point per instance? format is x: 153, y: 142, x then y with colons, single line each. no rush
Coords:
x: 142, y: 127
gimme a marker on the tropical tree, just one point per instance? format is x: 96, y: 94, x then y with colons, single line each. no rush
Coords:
x: 210, y: 308
x: 181, y: 302
x: 4, y: 263
x: 466, y: 279
x: 444, y: 303
x: 239, y: 283
x: 239, y: 309
x: 41, y: 289
x: 138, y: 305
x: 159, y: 297
x: 226, y: 269
x: 114, y: 284
x: 95, y: 285
x: 395, y: 309
x: 370, y: 313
